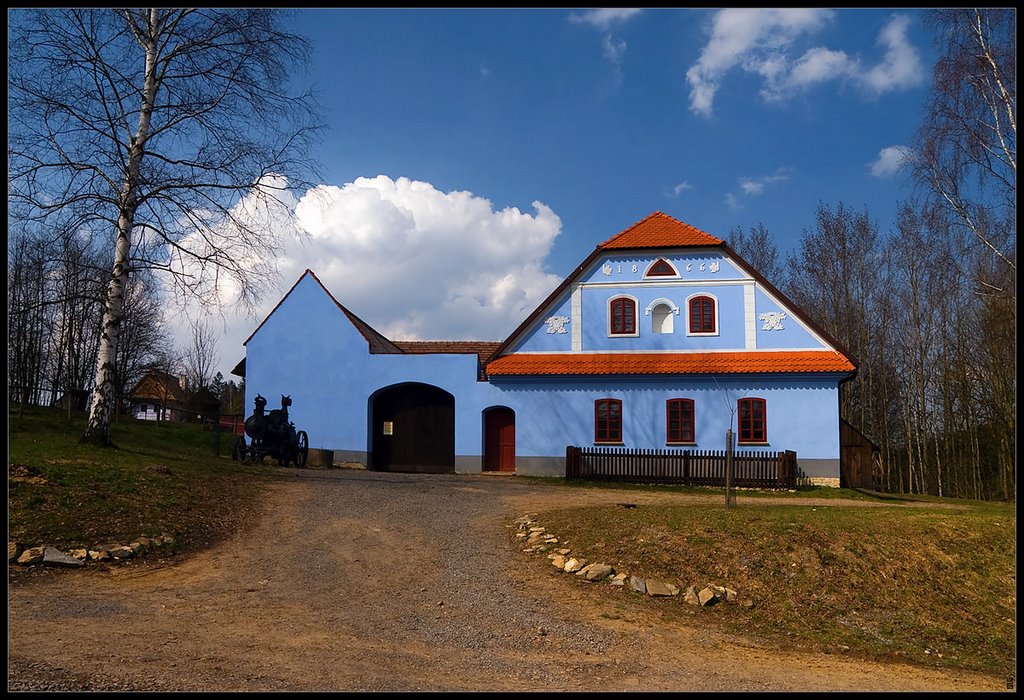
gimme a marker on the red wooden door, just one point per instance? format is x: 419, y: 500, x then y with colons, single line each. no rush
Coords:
x: 500, y: 440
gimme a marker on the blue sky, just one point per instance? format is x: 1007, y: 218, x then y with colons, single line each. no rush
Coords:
x: 475, y: 157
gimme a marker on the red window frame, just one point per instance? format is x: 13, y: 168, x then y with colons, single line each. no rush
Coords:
x: 679, y: 423
x: 661, y: 268
x: 608, y: 421
x: 753, y: 420
x: 702, y: 315
x: 621, y: 322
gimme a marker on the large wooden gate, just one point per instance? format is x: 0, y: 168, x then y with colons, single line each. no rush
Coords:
x: 413, y: 429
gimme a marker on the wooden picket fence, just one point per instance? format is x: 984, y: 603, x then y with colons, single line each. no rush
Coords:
x: 769, y: 470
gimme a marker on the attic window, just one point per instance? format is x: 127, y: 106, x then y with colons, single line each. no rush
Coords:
x: 661, y: 268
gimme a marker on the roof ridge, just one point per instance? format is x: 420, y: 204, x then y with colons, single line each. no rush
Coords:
x: 659, y: 230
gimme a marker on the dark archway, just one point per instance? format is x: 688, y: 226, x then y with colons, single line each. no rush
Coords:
x: 412, y: 428
x: 499, y: 439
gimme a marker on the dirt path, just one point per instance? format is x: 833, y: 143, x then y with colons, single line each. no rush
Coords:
x: 355, y: 580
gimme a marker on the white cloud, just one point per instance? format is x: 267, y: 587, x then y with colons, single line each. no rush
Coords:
x: 901, y: 66
x: 604, y: 18
x: 753, y: 38
x: 889, y: 161
x: 613, y: 51
x: 418, y: 263
x: 760, y: 42
x: 755, y: 186
x: 681, y: 187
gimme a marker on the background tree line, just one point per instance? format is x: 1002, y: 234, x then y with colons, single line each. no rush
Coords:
x: 928, y: 308
x: 55, y: 289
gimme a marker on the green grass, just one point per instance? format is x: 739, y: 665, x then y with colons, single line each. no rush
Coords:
x: 887, y: 582
x: 159, y: 479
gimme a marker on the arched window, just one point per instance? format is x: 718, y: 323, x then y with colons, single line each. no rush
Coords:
x: 661, y: 319
x: 608, y: 421
x: 702, y: 314
x: 661, y: 268
x: 622, y: 316
x: 753, y: 418
x: 679, y: 421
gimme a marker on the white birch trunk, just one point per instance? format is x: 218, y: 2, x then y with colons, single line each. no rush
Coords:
x: 98, y: 429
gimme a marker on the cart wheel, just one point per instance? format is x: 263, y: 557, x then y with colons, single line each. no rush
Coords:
x: 303, y: 454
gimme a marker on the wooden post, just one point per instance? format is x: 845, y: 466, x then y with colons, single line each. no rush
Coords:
x: 730, y: 495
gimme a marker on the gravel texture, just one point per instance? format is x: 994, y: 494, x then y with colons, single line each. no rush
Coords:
x: 365, y: 581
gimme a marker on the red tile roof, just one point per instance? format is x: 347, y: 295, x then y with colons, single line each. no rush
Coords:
x: 482, y: 349
x: 659, y: 231
x: 669, y: 363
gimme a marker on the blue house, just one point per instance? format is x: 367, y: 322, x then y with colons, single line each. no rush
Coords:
x: 663, y: 337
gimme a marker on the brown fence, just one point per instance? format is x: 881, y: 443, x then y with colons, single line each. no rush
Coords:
x: 771, y: 470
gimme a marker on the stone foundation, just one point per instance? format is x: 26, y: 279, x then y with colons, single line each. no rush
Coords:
x: 827, y: 481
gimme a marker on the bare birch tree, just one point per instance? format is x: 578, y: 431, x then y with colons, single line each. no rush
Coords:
x: 175, y: 132
x: 965, y: 159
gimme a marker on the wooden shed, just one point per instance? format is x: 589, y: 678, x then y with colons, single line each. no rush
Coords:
x: 858, y: 458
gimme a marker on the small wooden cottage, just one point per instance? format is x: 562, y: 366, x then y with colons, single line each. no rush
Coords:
x: 663, y: 337
x: 165, y: 397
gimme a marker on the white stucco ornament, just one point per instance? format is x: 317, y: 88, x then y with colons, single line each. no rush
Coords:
x: 606, y: 268
x: 556, y: 324
x: 714, y: 266
x: 772, y: 320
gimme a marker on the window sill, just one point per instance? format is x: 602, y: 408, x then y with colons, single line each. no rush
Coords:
x: 609, y: 444
x: 680, y: 444
x: 754, y: 444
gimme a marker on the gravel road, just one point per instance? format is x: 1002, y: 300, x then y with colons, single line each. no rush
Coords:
x: 365, y: 581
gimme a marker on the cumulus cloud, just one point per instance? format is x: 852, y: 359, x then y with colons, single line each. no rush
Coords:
x: 603, y: 19
x: 418, y: 263
x: 751, y: 38
x: 889, y: 161
x: 414, y: 262
x: 901, y: 66
x: 761, y: 42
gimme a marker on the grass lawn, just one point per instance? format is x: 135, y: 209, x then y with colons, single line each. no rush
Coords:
x: 159, y: 479
x: 928, y: 585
